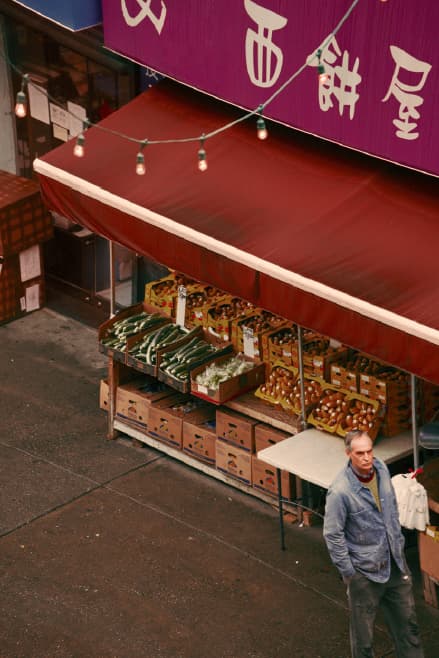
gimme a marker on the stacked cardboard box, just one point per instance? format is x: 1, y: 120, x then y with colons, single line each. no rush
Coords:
x: 24, y: 225
x: 264, y: 476
x: 168, y: 415
x: 235, y: 444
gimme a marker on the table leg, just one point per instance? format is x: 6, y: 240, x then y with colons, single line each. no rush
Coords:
x: 281, y: 515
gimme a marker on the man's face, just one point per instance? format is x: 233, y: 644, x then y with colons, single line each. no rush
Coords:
x: 361, y: 454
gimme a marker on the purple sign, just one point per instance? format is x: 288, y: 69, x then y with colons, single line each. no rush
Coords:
x: 382, y: 64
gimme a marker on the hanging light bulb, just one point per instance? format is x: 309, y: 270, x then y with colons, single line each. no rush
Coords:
x: 140, y: 164
x: 21, y: 100
x: 140, y: 160
x: 202, y: 159
x: 260, y: 125
x: 323, y: 76
x: 78, y: 149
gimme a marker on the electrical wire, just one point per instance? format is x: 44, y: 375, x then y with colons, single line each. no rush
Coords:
x: 205, y: 136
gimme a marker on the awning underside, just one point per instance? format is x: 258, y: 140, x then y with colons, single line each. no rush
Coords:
x: 331, y: 239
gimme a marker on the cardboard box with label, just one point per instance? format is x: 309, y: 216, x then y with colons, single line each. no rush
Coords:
x: 199, y: 439
x: 236, y: 429
x: 166, y: 417
x: 264, y: 476
x: 234, y: 461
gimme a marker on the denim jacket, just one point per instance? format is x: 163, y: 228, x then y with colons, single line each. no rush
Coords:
x: 359, y: 537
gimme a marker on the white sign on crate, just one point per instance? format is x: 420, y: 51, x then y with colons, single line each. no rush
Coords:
x: 249, y: 342
x: 181, y: 305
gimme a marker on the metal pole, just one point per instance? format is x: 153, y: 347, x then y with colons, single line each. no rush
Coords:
x: 112, y: 281
x: 281, y: 513
x: 414, y: 422
x: 301, y: 376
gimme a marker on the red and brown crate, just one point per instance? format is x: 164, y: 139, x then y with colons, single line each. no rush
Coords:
x: 221, y: 316
x: 163, y: 294
x: 259, y: 324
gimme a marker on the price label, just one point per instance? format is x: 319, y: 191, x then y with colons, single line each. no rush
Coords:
x: 249, y: 342
x: 181, y: 306
x: 203, y: 389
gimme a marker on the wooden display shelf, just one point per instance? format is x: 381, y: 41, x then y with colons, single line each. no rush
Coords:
x: 120, y: 426
x: 265, y: 412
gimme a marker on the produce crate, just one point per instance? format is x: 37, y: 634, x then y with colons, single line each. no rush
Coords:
x: 313, y: 389
x: 259, y: 323
x: 343, y: 377
x: 330, y: 409
x: 279, y: 386
x: 152, y: 368
x: 391, y: 386
x: 393, y: 428
x: 163, y: 294
x: 106, y: 327
x: 321, y: 362
x: 232, y: 387
x: 312, y: 345
x: 220, y: 317
x: 277, y: 344
x: 198, y: 304
x: 361, y: 413
x: 184, y: 385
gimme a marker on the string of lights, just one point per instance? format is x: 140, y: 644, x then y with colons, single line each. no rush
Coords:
x: 140, y: 169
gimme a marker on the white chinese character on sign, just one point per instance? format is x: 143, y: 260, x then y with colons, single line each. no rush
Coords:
x: 263, y: 58
x: 342, y: 81
x: 145, y: 11
x: 404, y: 92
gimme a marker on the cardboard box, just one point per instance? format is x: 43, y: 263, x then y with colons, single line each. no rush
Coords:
x: 220, y: 317
x: 264, y: 478
x: 166, y: 417
x: 257, y: 324
x: 231, y: 387
x: 163, y: 293
x: 429, y: 555
x: 103, y: 395
x: 134, y: 400
x: 234, y: 461
x: 24, y: 220
x: 266, y: 436
x: 199, y: 440
x: 236, y: 429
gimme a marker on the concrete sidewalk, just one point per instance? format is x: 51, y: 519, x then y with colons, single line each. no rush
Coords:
x: 110, y: 550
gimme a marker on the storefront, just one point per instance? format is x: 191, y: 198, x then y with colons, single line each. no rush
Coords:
x: 328, y: 239
x: 58, y: 46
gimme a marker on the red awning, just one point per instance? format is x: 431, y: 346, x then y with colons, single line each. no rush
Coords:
x: 331, y: 239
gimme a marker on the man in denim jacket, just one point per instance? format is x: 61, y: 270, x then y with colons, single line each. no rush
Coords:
x: 365, y: 542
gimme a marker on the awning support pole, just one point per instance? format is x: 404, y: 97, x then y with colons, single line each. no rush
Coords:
x: 414, y: 423
x: 112, y: 281
x: 301, y: 375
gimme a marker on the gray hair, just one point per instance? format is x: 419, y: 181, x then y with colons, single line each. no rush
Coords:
x: 350, y: 436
